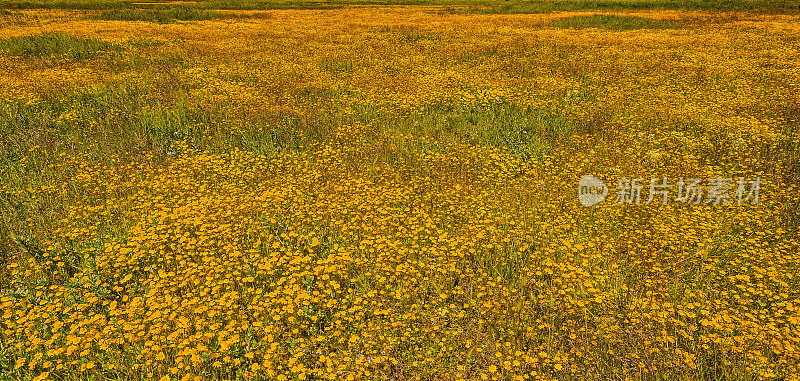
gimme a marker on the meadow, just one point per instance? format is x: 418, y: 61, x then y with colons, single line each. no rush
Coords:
x: 358, y: 191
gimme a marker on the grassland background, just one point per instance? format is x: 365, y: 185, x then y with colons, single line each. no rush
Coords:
x: 198, y: 192
x: 479, y: 6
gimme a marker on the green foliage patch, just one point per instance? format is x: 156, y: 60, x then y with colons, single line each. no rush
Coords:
x: 161, y: 15
x: 613, y: 22
x: 55, y: 45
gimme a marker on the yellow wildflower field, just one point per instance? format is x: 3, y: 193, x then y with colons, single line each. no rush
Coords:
x: 391, y: 193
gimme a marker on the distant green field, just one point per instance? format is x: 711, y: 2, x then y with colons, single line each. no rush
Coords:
x: 458, y: 6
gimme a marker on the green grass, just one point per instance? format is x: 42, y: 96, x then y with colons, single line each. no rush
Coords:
x: 62, y: 4
x: 162, y: 15
x: 612, y: 22
x: 55, y: 45
x: 546, y: 6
